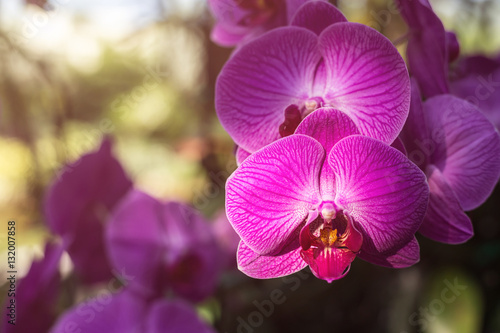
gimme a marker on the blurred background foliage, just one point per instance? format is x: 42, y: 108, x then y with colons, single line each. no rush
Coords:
x: 75, y: 73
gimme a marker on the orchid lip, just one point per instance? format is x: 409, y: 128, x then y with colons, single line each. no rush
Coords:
x: 330, y: 243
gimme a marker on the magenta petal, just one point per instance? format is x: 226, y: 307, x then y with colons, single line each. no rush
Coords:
x: 77, y: 205
x: 415, y: 133
x: 427, y: 46
x: 174, y: 316
x: 445, y: 220
x: 380, y: 189
x: 406, y: 256
x: 268, y: 267
x: 327, y: 126
x: 292, y: 6
x: 271, y: 193
x: 160, y: 245
x: 467, y: 148
x: 367, y: 79
x: 452, y: 46
x: 119, y: 313
x: 317, y: 16
x: 261, y: 80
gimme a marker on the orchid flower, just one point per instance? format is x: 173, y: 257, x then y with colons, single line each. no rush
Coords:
x: 239, y: 21
x: 162, y: 246
x: 126, y: 312
x: 77, y: 206
x: 273, y: 82
x: 459, y: 151
x: 322, y: 197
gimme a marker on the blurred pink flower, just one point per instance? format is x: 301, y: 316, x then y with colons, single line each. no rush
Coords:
x: 127, y: 312
x: 163, y: 246
x: 239, y: 21
x: 78, y: 204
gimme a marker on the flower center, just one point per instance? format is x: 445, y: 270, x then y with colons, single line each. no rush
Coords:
x: 328, y: 236
x: 312, y: 104
x: 330, y: 243
x: 294, y: 115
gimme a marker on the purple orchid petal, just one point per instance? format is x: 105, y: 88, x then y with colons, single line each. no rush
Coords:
x: 477, y: 81
x: 120, y: 313
x: 267, y: 267
x: 317, y: 16
x: 271, y: 193
x: 78, y: 203
x: 380, y: 189
x: 174, y: 317
x: 293, y: 6
x: 320, y: 84
x: 445, y: 220
x: 327, y: 126
x: 406, y: 256
x: 467, y: 148
x: 452, y: 45
x: 367, y: 79
x: 427, y: 46
x: 415, y: 133
x: 36, y: 295
x: 162, y: 245
x: 261, y: 80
